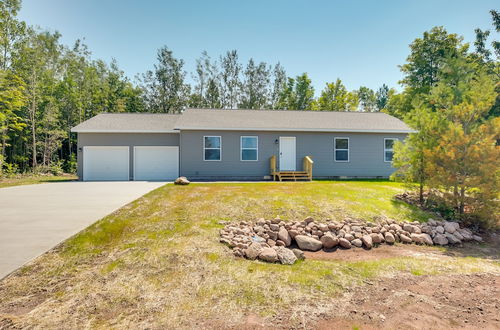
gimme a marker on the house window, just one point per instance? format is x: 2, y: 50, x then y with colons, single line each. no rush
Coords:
x: 212, y: 150
x: 341, y: 149
x: 389, y: 149
x: 249, y: 146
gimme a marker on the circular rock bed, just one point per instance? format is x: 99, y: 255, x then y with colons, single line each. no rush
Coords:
x: 272, y: 240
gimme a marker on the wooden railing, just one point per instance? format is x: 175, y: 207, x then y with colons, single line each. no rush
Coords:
x: 306, y: 173
x: 307, y: 165
x: 272, y: 163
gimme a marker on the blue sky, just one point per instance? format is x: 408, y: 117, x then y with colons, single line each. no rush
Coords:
x: 361, y: 42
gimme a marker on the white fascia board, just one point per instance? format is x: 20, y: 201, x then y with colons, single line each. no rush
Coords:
x: 346, y: 130
x: 121, y: 131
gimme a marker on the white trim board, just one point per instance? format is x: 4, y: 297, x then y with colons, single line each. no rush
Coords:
x: 122, y: 131
x: 296, y: 130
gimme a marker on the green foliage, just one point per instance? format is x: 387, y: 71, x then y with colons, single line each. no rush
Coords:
x: 382, y: 97
x: 8, y: 170
x: 164, y: 87
x: 367, y: 99
x: 427, y: 57
x: 255, y: 86
x: 335, y: 97
x: 230, y: 79
x: 454, y: 150
x: 298, y: 94
x: 409, y: 158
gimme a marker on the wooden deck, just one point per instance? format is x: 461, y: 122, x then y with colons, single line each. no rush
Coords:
x: 305, y: 174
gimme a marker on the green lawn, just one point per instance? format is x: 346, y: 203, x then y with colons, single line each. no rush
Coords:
x: 157, y: 261
x: 34, y: 179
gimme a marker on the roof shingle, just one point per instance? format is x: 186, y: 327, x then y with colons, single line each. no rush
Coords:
x: 245, y: 120
x: 290, y: 120
x: 129, y: 123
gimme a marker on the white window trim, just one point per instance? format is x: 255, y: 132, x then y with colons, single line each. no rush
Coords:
x: 256, y: 149
x: 385, y: 149
x: 220, y: 148
x: 335, y: 149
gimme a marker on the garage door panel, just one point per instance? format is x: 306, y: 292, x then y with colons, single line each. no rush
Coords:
x: 106, y: 163
x: 156, y: 163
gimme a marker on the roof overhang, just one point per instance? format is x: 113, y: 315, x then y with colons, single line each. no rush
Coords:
x: 326, y: 130
x: 121, y: 131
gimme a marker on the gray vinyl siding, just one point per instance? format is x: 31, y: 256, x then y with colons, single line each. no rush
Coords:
x: 366, y: 154
x: 123, y: 139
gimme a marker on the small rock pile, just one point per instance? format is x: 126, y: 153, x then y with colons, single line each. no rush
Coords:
x: 269, y: 240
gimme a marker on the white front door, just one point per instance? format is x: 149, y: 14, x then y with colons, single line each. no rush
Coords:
x: 288, y: 159
x: 105, y: 163
x: 156, y: 163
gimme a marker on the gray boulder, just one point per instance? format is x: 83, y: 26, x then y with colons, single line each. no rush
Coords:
x: 253, y: 251
x: 182, y: 180
x: 450, y: 227
x: 357, y: 242
x: 377, y: 238
x: 329, y: 240
x: 389, y: 238
x: 466, y: 234
x: 404, y: 238
x: 344, y: 243
x: 299, y: 254
x: 452, y: 239
x: 367, y: 241
x: 286, y: 256
x: 284, y: 236
x: 269, y: 255
x: 274, y: 227
x: 477, y: 238
x: 395, y: 227
x: 348, y: 237
x: 408, y: 227
x: 440, y: 239
x: 308, y: 243
x: 458, y: 235
x: 426, y: 239
x: 323, y: 227
x: 416, y: 238
x: 293, y: 233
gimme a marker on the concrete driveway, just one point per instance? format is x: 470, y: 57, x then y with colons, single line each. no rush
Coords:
x: 35, y: 218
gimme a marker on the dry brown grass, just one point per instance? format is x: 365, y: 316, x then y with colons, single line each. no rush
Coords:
x: 157, y: 261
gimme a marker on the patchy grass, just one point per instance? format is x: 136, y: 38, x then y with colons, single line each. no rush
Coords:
x: 157, y: 261
x: 34, y: 179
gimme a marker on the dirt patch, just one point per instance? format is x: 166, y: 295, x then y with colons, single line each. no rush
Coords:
x: 409, y: 302
x: 422, y: 302
x: 381, y: 252
x: 491, y: 250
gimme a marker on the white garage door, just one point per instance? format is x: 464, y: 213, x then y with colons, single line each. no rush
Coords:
x: 156, y: 163
x: 106, y: 163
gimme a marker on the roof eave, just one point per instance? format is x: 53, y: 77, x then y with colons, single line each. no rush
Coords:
x: 339, y: 130
x: 84, y: 130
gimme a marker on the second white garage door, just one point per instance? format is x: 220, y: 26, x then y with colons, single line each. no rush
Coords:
x: 156, y: 163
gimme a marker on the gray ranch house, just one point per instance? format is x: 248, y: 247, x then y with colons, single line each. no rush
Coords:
x: 210, y: 144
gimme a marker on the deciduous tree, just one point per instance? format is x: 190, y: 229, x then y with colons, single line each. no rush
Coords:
x: 335, y: 97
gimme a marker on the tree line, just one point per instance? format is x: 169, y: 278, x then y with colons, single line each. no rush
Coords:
x: 227, y: 83
x: 47, y: 87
